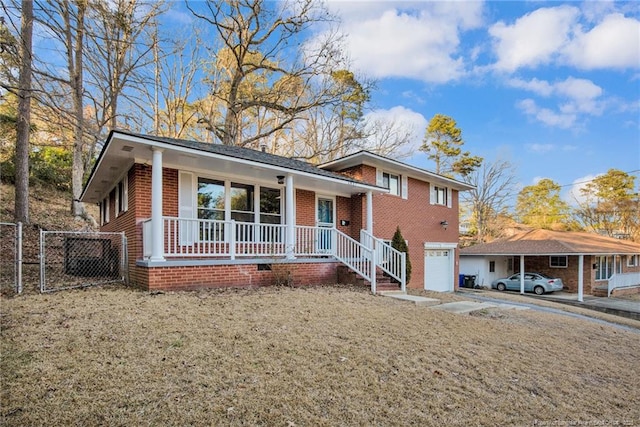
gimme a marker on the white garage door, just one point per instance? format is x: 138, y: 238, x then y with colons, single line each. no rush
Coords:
x: 438, y: 270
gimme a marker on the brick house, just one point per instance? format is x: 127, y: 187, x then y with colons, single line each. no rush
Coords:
x: 586, y: 262
x: 207, y: 215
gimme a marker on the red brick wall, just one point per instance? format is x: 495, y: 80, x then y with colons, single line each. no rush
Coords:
x: 244, y: 275
x: 343, y: 212
x: 419, y: 221
x: 305, y: 208
x: 569, y: 275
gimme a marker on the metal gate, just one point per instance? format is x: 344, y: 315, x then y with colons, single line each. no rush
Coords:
x: 70, y: 259
x: 10, y: 258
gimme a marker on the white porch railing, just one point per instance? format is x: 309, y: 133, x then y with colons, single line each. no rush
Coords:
x: 186, y: 237
x: 389, y: 259
x: 199, y: 238
x: 622, y: 280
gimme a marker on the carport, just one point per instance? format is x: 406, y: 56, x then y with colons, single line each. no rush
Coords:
x: 584, y: 261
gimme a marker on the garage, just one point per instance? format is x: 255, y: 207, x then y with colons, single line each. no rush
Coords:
x: 438, y: 267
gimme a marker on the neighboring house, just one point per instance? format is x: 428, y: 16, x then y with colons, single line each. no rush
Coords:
x: 586, y: 262
x: 208, y: 215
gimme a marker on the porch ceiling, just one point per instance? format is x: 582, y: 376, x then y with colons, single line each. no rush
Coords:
x: 122, y: 150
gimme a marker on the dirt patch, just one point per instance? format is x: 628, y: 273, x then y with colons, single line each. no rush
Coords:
x: 307, y: 356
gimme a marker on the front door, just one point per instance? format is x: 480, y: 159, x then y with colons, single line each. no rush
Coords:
x: 325, y: 219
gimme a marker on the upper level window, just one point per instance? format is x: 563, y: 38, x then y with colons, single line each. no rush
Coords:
x: 392, y: 182
x: 558, y: 261
x: 440, y: 196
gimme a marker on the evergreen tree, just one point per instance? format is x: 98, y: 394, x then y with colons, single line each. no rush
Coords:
x: 398, y: 243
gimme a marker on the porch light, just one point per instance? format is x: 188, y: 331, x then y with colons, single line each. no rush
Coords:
x: 280, y: 179
x: 444, y: 224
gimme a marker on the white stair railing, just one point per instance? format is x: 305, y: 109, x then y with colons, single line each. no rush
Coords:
x: 356, y: 256
x: 622, y: 280
x: 390, y: 260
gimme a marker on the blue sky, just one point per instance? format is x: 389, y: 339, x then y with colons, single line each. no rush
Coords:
x: 553, y: 87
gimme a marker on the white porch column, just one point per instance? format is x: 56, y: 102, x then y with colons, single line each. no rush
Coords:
x: 522, y: 274
x: 580, y: 277
x: 289, y: 214
x: 370, y: 212
x: 157, y: 225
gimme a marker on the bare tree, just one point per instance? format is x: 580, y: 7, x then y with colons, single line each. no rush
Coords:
x: 21, y: 212
x: 174, y: 84
x: 261, y: 69
x: 120, y: 45
x: 494, y: 183
x: 388, y: 138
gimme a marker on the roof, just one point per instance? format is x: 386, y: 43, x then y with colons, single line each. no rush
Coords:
x: 548, y: 242
x: 247, y: 154
x: 123, y: 148
x: 376, y: 160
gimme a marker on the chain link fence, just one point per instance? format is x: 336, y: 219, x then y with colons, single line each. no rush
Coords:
x: 80, y: 259
x: 10, y: 258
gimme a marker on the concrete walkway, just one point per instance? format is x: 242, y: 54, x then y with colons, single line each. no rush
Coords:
x: 458, y: 307
x: 616, y: 306
x: 480, y: 300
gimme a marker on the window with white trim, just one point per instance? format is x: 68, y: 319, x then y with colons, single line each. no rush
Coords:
x: 440, y: 196
x: 633, y: 260
x: 248, y: 202
x: 392, y: 182
x: 559, y: 261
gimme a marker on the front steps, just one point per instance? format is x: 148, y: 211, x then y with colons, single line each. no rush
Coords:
x: 350, y: 277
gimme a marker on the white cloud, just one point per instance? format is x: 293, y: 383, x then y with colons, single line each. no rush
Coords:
x: 405, y: 118
x: 572, y: 88
x: 574, y: 196
x: 546, y: 115
x: 578, y: 89
x: 614, y: 43
x: 534, y: 39
x: 418, y: 40
x: 539, y: 87
x: 540, y: 148
x: 579, y: 97
x: 587, y: 38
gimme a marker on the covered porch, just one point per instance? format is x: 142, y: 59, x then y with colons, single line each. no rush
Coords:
x: 189, y: 242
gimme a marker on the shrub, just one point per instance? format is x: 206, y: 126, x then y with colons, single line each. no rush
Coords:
x: 399, y: 244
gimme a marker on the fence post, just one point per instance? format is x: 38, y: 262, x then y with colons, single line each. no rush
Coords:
x: 42, y: 261
x: 124, y: 258
x: 19, y: 258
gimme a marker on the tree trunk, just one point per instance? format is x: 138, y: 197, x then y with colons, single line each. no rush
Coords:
x: 76, y: 66
x: 21, y: 212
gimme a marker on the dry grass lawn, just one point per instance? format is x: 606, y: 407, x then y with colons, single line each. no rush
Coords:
x: 319, y: 356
